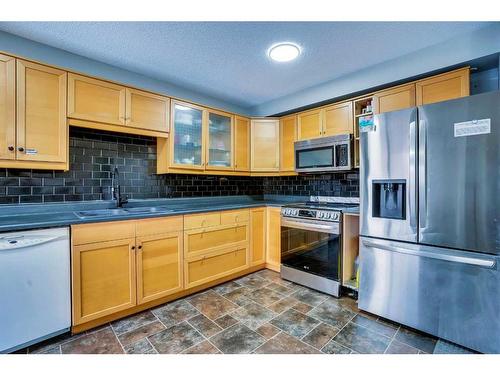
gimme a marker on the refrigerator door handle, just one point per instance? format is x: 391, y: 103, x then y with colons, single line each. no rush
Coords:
x: 422, y: 161
x: 412, y: 173
x: 434, y: 254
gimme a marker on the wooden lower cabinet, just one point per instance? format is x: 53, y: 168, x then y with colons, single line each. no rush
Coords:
x: 159, y: 266
x: 257, y: 236
x: 205, y: 268
x: 202, y: 240
x: 273, y: 238
x: 103, y: 279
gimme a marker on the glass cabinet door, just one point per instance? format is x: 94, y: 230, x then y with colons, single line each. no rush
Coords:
x: 187, y: 141
x: 220, y: 141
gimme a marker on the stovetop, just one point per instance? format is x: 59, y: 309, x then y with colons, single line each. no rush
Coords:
x: 319, y: 208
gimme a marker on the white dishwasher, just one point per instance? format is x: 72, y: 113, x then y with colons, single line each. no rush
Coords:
x: 35, y: 302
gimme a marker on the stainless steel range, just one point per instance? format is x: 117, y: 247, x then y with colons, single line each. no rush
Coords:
x: 311, y: 242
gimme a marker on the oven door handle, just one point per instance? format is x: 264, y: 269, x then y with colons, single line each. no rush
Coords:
x: 325, y: 228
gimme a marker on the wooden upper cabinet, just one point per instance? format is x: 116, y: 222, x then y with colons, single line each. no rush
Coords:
x: 42, y: 132
x: 220, y: 141
x: 447, y: 86
x: 103, y: 279
x: 7, y: 107
x: 159, y: 266
x: 394, y: 99
x: 309, y: 124
x: 187, y: 136
x: 146, y: 111
x: 95, y: 100
x: 241, y: 144
x: 265, y: 151
x: 338, y: 119
x: 288, y: 129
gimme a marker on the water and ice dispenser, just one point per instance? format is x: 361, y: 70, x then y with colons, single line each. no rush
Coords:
x: 389, y: 197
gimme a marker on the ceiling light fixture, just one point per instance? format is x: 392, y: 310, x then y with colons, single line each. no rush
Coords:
x: 284, y: 52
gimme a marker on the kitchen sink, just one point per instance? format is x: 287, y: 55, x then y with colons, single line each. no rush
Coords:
x: 121, y: 211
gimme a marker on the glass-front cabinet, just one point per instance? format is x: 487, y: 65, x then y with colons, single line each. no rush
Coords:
x: 187, y: 136
x: 220, y: 141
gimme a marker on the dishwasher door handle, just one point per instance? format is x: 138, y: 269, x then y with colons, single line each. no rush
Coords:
x: 19, y: 244
x: 420, y: 251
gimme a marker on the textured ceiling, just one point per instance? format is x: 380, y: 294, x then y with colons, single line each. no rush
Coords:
x: 228, y: 60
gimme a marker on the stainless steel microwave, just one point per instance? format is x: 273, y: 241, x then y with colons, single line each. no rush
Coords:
x: 327, y: 154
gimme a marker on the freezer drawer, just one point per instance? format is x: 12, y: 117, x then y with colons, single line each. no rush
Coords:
x: 451, y: 294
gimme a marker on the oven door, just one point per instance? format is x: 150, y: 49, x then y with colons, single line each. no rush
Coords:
x: 315, y: 159
x: 311, y: 246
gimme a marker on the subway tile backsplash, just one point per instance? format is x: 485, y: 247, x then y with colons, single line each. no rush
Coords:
x: 94, y: 154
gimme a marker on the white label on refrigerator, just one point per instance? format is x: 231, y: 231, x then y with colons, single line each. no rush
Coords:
x: 474, y: 127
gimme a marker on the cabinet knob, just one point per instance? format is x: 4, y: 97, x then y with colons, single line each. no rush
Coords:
x: 133, y: 247
x: 139, y: 247
x: 20, y: 149
x: 11, y: 148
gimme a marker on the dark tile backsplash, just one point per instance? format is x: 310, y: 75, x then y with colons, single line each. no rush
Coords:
x: 93, y: 155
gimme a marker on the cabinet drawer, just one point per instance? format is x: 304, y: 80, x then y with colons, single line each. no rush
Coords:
x: 204, y: 220
x: 234, y: 217
x: 211, y: 267
x: 98, y: 232
x: 205, y: 240
x: 149, y: 227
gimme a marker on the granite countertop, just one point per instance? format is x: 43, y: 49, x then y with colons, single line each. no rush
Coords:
x: 35, y: 216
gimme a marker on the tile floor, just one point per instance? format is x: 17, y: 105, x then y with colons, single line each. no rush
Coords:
x: 259, y: 313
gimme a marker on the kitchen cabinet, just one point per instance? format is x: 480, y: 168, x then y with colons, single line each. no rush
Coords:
x: 144, y: 110
x: 159, y: 257
x: 41, y: 130
x: 241, y: 144
x: 273, y: 238
x: 215, y: 250
x: 187, y: 137
x: 310, y: 124
x: 446, y: 86
x: 350, y: 249
x: 338, y: 119
x: 103, y: 276
x: 288, y: 135
x: 125, y: 265
x: 257, y: 236
x: 322, y: 122
x: 219, y: 141
x: 394, y: 99
x: 265, y: 145
x: 95, y: 100
x: 205, y: 268
x: 7, y: 108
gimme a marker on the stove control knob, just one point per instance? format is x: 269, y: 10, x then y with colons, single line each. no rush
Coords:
x: 328, y: 215
x: 295, y: 212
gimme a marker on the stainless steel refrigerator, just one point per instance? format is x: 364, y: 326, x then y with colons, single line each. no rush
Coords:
x: 430, y: 219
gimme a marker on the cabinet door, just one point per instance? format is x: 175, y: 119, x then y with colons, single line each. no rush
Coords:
x: 265, y: 147
x: 257, y: 236
x: 187, y: 136
x: 394, y: 99
x: 95, y: 100
x: 443, y: 87
x: 288, y: 136
x: 7, y: 107
x: 338, y: 119
x: 159, y: 266
x: 220, y: 141
x: 146, y: 111
x: 273, y: 248
x: 42, y: 132
x: 103, y: 275
x: 309, y: 124
x: 241, y: 144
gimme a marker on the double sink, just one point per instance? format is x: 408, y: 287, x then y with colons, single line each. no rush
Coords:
x: 107, y: 212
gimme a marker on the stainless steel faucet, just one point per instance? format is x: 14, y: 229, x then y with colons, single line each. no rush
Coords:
x: 116, y: 189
